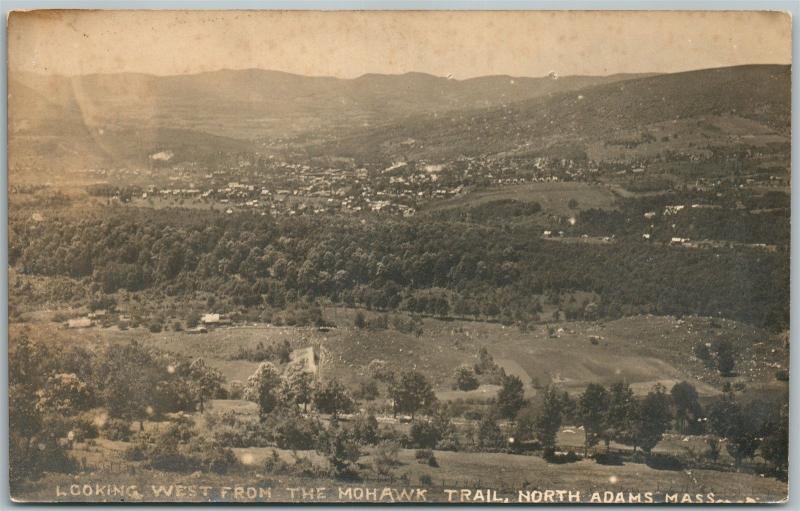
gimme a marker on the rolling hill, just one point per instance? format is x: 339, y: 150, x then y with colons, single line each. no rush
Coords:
x: 759, y: 95
x: 258, y: 103
x: 125, y: 118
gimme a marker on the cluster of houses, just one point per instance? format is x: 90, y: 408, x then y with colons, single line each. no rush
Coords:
x: 207, y: 321
x: 270, y: 185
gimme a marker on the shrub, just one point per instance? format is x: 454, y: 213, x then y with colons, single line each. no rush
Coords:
x: 380, y: 370
x: 341, y: 451
x: 368, y: 390
x: 117, y: 429
x: 385, y: 458
x: 210, y: 456
x: 155, y: 327
x: 702, y: 352
x: 473, y: 415
x: 236, y: 390
x: 664, y: 462
x: 293, y: 431
x: 422, y: 455
x: 235, y: 432
x: 167, y: 457
x: 179, y: 431
x: 391, y: 435
x: 275, y: 465
x: 380, y: 322
x: 365, y: 429
x: 64, y: 394
x: 192, y: 320
x: 713, y: 448
x: 302, y: 467
x: 359, y: 321
x: 135, y: 452
x: 412, y: 325
x: 28, y: 458
x: 608, y: 458
x: 559, y: 457
x: 424, y: 434
x: 489, y: 434
x: 76, y: 429
x: 425, y: 480
x: 83, y: 429
x: 276, y: 352
x: 60, y: 317
x: 53, y: 458
x: 449, y: 442
x: 465, y: 378
x: 782, y: 375
x: 168, y: 453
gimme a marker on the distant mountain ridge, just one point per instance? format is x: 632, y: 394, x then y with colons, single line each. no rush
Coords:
x: 759, y: 94
x: 256, y: 103
x: 124, y: 118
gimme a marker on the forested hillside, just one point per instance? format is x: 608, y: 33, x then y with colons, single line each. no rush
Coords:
x: 601, y: 112
x: 441, y: 268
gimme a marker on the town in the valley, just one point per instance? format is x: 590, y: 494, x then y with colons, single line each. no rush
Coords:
x: 225, y: 285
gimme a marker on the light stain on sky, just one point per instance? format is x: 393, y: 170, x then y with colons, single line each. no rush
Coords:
x: 350, y: 44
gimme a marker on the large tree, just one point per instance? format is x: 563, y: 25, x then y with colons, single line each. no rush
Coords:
x: 621, y: 414
x: 510, y: 397
x: 687, y: 407
x: 333, y: 398
x: 412, y: 392
x: 298, y: 385
x: 592, y: 406
x: 262, y: 388
x: 65, y: 394
x: 775, y: 446
x: 129, y: 379
x: 654, y: 417
x: 205, y: 381
x: 465, y: 378
x: 726, y: 360
x: 731, y: 421
x: 548, y: 420
x: 490, y: 436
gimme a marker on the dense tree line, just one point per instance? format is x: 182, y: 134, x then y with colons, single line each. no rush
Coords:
x: 425, y: 266
x: 82, y: 393
x: 726, y: 215
x: 614, y: 414
x: 54, y: 395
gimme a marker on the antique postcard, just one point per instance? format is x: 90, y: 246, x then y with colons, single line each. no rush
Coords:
x: 399, y: 256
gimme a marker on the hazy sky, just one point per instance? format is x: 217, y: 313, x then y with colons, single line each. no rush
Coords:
x: 349, y: 44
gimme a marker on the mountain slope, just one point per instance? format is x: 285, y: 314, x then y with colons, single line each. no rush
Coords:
x: 260, y: 104
x: 64, y: 135
x: 758, y: 94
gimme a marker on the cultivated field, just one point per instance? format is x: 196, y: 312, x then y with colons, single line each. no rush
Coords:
x: 642, y: 350
x: 554, y: 197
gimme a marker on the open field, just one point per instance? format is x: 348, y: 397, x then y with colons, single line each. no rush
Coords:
x: 642, y: 350
x: 507, y: 473
x: 554, y: 197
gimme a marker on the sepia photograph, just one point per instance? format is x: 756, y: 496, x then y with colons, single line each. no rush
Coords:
x: 388, y: 257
